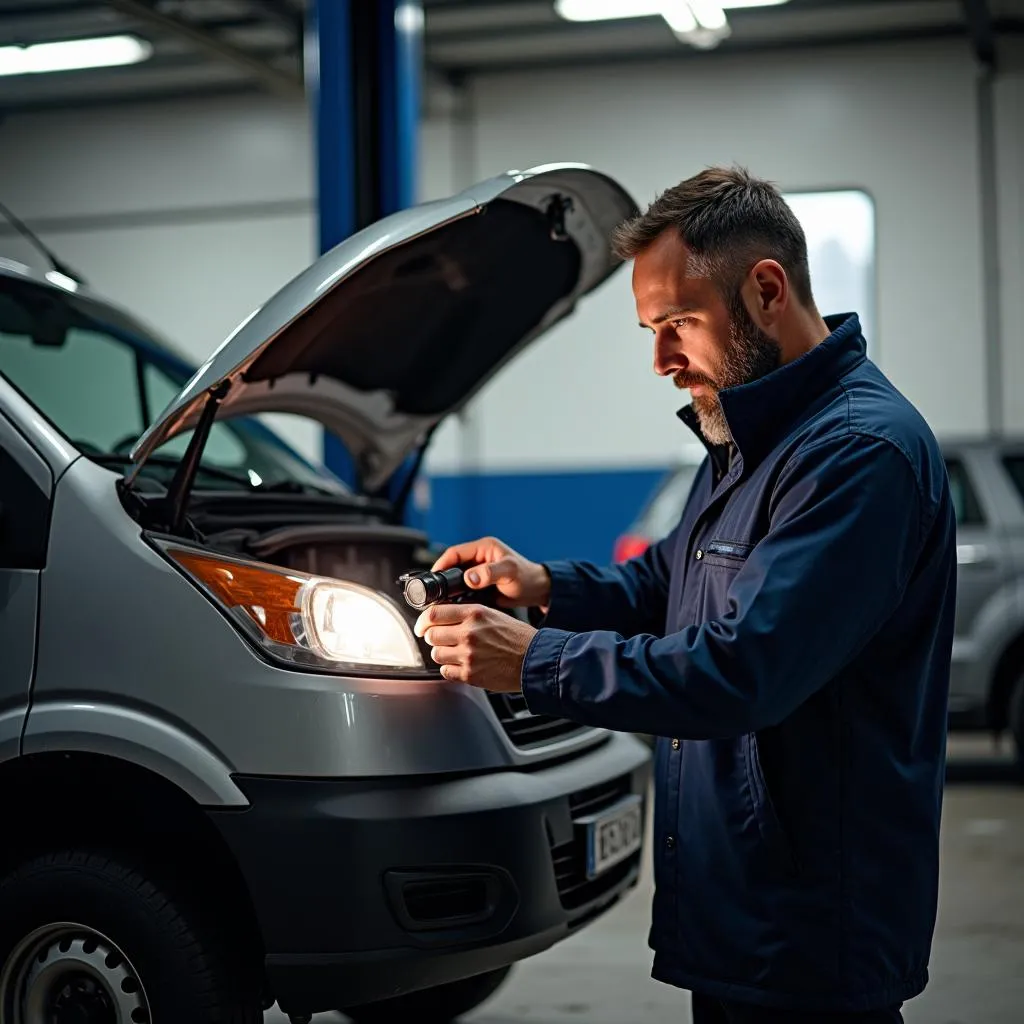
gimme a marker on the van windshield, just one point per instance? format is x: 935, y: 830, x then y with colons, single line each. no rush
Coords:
x: 101, y: 378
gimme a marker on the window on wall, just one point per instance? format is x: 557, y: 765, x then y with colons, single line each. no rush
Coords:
x: 840, y: 230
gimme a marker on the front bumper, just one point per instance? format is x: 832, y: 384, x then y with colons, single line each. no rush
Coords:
x: 369, y: 888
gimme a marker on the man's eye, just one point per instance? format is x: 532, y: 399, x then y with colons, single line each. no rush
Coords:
x: 685, y: 321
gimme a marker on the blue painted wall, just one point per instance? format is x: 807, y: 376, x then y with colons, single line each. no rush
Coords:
x: 544, y: 515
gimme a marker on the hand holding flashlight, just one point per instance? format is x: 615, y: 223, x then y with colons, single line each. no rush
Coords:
x: 472, y: 643
x: 488, y: 562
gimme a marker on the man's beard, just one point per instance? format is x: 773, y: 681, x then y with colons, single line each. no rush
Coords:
x: 750, y: 355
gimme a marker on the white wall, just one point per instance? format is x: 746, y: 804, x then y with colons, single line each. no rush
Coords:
x: 193, y: 213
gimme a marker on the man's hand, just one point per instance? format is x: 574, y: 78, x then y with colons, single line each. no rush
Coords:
x: 473, y: 644
x: 520, y: 582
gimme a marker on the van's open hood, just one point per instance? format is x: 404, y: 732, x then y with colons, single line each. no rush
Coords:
x: 400, y: 324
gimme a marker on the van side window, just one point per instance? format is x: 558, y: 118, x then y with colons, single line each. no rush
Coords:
x: 965, y: 500
x: 24, y: 517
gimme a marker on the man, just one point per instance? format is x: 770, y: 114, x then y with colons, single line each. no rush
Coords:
x: 789, y: 641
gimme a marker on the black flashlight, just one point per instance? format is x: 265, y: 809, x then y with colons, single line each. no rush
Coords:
x: 422, y: 589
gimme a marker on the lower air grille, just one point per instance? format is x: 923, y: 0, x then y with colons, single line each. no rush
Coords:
x: 526, y: 729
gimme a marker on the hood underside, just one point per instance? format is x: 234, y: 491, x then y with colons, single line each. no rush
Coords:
x: 399, y: 325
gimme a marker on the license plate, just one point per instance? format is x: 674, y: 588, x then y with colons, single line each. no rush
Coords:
x: 613, y: 835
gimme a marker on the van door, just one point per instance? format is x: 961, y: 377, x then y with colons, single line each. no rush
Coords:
x: 26, y: 492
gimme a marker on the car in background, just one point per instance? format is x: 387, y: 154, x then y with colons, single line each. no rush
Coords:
x: 987, y: 481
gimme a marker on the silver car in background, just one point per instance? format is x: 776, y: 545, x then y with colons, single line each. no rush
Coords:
x: 987, y: 482
x: 230, y: 774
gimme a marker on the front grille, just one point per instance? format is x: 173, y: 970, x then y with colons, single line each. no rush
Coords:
x: 597, y: 798
x: 570, y: 858
x: 526, y: 729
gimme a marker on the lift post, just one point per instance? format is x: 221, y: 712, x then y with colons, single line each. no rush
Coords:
x: 364, y: 68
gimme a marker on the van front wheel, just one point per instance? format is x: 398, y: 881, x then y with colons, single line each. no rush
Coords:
x: 439, y: 1005
x: 88, y: 937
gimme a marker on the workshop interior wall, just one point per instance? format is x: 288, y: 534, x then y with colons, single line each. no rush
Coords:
x: 1009, y: 138
x: 192, y: 213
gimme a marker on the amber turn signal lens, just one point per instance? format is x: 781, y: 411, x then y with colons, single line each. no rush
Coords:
x: 269, y: 598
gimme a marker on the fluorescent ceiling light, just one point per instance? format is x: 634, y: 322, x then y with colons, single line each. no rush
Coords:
x: 73, y: 55
x: 702, y: 23
x: 679, y: 16
x: 709, y: 15
x: 608, y: 10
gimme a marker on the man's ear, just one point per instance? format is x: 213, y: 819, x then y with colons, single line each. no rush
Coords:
x: 766, y: 294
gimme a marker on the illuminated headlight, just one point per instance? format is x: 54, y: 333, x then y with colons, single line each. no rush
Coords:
x: 347, y: 623
x: 305, y: 620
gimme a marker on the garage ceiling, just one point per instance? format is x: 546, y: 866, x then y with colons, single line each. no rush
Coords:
x: 208, y: 47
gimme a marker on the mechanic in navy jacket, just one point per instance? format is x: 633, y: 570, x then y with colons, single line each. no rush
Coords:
x: 789, y: 642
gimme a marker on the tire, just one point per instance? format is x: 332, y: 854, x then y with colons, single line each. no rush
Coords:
x: 91, y: 934
x: 439, y: 1005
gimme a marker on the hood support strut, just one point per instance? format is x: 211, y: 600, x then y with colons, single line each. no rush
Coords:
x: 184, y: 476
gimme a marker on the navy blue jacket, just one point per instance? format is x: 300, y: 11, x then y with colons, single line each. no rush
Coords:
x: 790, y: 643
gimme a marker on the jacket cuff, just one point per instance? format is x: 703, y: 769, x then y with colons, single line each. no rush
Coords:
x: 539, y: 678
x: 566, y: 593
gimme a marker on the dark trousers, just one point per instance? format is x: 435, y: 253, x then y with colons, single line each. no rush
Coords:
x: 707, y: 1010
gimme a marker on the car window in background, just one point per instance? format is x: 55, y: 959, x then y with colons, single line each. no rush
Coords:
x: 965, y: 501
x: 662, y: 515
x: 1015, y: 467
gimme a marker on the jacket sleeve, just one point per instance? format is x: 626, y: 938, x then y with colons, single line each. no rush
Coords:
x: 629, y: 598
x: 846, y: 526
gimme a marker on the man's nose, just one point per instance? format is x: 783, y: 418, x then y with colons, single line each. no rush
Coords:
x: 668, y: 355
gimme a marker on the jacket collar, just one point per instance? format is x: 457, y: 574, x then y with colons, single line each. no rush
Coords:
x: 759, y: 413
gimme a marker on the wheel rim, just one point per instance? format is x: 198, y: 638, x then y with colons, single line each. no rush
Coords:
x: 70, y: 974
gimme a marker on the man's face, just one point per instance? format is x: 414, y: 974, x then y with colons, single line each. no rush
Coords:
x: 701, y: 341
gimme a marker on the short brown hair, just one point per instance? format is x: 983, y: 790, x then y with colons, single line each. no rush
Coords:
x: 729, y: 220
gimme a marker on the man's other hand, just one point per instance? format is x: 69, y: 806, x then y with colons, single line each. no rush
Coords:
x: 473, y: 644
x: 520, y: 582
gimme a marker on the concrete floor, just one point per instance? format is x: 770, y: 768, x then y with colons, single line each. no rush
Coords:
x: 601, y: 975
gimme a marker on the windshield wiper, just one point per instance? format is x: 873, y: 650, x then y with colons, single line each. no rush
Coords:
x: 169, y: 462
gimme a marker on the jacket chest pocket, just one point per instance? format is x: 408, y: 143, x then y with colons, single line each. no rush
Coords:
x: 726, y: 554
x: 720, y: 560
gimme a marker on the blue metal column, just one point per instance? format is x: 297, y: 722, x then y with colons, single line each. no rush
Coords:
x: 363, y: 61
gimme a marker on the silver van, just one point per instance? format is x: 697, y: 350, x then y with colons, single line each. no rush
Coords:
x: 230, y: 775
